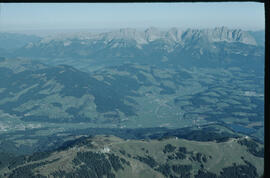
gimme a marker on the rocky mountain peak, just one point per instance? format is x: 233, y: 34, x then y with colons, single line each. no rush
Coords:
x: 132, y: 37
x: 152, y: 34
x: 124, y: 34
x: 229, y: 35
x: 127, y: 33
x: 174, y: 34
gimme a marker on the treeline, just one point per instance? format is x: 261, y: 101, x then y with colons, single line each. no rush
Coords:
x: 253, y: 147
x: 147, y: 160
x: 240, y: 171
x: 82, y: 141
x: 94, y: 165
x: 20, y: 160
x: 182, y: 153
x: 54, y: 142
x: 27, y: 170
x: 207, y: 133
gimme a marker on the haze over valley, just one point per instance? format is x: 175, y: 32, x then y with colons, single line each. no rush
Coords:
x: 151, y: 84
x: 110, y: 97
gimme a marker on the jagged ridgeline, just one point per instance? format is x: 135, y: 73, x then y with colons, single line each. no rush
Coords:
x: 191, y: 47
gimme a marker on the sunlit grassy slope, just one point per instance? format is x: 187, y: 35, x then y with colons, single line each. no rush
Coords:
x: 111, y: 156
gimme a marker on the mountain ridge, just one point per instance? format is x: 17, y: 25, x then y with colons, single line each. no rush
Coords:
x: 191, y: 47
x: 174, y: 34
x: 111, y: 156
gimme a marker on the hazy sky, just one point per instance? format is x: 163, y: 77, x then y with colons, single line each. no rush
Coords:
x: 26, y: 16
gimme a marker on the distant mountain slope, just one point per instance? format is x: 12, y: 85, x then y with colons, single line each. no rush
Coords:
x: 15, y: 40
x: 259, y: 36
x: 132, y: 95
x: 108, y: 156
x: 191, y: 47
x: 68, y: 94
x: 65, y: 90
x: 173, y: 35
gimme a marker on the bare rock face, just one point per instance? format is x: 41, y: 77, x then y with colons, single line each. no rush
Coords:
x: 172, y: 36
x: 229, y: 35
x: 149, y: 45
x: 180, y: 36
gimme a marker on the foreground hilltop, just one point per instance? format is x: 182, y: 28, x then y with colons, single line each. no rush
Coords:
x: 111, y: 156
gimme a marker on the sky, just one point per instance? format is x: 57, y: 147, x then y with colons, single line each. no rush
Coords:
x: 57, y: 16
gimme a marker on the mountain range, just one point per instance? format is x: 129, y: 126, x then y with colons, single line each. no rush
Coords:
x: 192, y: 47
x: 185, y: 103
x: 171, y: 35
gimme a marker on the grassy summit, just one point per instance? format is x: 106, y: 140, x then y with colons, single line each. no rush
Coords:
x: 112, y: 156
